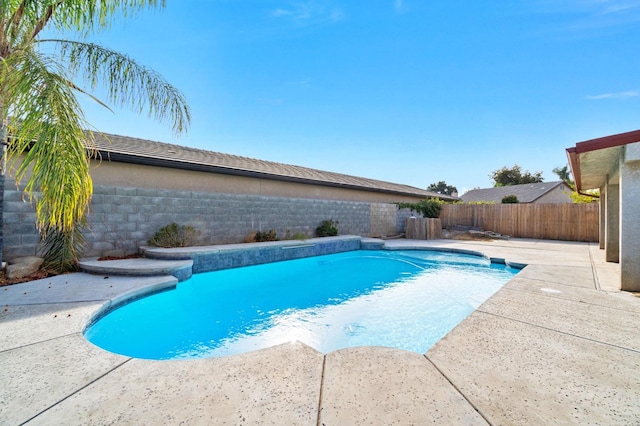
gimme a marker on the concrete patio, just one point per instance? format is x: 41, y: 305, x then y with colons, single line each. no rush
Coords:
x: 557, y: 345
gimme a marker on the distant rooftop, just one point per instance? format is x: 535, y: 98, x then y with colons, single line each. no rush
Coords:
x: 526, y: 193
x: 141, y: 151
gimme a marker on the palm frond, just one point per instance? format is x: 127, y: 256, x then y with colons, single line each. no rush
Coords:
x: 61, y: 250
x: 29, y: 17
x: 49, y: 144
x: 128, y: 83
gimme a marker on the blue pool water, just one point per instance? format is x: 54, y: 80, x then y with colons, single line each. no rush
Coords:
x: 402, y: 299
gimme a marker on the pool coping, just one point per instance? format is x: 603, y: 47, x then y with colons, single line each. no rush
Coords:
x: 293, y: 384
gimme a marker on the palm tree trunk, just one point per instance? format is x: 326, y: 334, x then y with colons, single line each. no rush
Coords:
x: 3, y: 147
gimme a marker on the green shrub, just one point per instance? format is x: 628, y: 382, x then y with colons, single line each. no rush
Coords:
x: 327, y: 228
x: 269, y: 235
x: 174, y: 235
x: 429, y: 208
x: 510, y: 199
x: 299, y: 236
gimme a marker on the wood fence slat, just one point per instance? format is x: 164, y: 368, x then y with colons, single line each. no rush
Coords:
x: 569, y: 222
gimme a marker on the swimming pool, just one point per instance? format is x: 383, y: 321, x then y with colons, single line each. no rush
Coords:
x: 405, y: 299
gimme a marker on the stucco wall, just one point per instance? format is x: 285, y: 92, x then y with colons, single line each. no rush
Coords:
x: 152, y: 177
x: 629, y: 213
x: 559, y: 194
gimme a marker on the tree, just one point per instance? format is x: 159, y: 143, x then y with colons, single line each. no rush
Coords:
x: 565, y: 175
x: 513, y: 176
x: 41, y: 122
x: 589, y: 197
x: 510, y: 199
x: 442, y: 188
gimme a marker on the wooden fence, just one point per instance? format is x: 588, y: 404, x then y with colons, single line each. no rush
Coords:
x: 568, y: 222
x: 417, y: 228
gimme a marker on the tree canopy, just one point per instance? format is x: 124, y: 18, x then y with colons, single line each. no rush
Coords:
x: 514, y: 176
x: 41, y: 121
x: 441, y: 187
x: 564, y: 174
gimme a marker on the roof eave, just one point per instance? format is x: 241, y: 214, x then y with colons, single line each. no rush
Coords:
x: 607, y: 142
x: 574, y: 165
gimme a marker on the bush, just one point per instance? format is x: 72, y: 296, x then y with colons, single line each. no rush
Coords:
x: 300, y: 236
x: 510, y: 199
x: 269, y: 235
x: 429, y: 208
x: 327, y: 228
x: 174, y: 235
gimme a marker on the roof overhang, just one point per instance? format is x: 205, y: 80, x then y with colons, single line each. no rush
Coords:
x: 595, y: 160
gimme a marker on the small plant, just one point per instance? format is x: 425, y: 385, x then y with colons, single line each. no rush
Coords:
x: 174, y: 235
x: 327, y: 228
x: 299, y: 236
x: 429, y: 208
x: 269, y: 235
x: 510, y: 199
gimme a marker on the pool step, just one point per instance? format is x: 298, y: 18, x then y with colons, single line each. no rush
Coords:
x: 371, y: 244
x: 181, y: 269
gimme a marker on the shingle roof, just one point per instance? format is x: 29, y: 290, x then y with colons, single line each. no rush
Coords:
x: 526, y: 193
x: 141, y: 151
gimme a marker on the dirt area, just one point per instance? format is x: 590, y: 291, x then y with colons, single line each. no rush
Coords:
x: 4, y: 281
x: 471, y: 237
x: 472, y: 234
x: 129, y: 256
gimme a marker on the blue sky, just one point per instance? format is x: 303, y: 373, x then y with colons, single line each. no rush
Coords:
x: 406, y: 91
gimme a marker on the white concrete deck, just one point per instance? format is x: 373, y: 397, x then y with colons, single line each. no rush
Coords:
x: 548, y: 348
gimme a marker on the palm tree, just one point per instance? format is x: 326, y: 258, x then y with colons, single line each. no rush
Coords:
x: 43, y: 131
x: 564, y: 174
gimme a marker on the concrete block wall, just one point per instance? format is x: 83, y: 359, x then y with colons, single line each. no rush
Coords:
x: 20, y: 236
x: 122, y: 219
x: 383, y: 219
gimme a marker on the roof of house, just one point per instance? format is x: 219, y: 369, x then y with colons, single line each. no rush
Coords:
x: 526, y: 193
x: 141, y: 151
x: 593, y: 161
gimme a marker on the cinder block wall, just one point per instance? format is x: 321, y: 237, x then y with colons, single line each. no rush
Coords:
x: 20, y: 236
x: 387, y: 220
x: 125, y: 218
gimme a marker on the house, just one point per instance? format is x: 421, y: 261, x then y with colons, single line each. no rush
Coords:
x: 141, y: 186
x: 140, y: 162
x: 544, y: 192
x: 612, y: 165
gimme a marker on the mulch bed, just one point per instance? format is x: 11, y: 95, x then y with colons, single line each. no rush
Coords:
x: 129, y: 256
x: 38, y: 275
